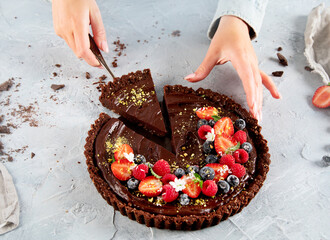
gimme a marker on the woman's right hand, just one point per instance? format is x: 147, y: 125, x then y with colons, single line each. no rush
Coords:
x: 71, y: 20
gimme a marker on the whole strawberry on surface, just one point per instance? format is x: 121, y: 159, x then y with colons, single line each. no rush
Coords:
x: 321, y: 98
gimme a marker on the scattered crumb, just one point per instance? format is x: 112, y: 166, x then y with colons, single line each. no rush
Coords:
x: 6, y: 85
x: 79, y: 162
x: 279, y: 49
x: 114, y: 63
x: 32, y: 155
x: 4, y: 130
x: 102, y: 78
x: 277, y: 73
x: 54, y: 74
x: 308, y: 68
x: 10, y: 158
x: 29, y: 45
x: 57, y: 86
x: 282, y: 60
x: 88, y: 75
x: 58, y: 65
x: 176, y: 33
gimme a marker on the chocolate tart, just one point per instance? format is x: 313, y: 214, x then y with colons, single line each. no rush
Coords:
x: 203, y: 212
x: 133, y: 96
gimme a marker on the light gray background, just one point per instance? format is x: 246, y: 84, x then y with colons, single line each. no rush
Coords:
x: 58, y: 199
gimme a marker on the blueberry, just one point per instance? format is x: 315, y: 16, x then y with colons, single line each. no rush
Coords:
x: 211, y: 159
x: 184, y: 199
x: 223, y: 186
x: 240, y: 124
x: 247, y: 147
x: 202, y: 122
x: 211, y: 122
x: 208, y: 147
x: 233, y: 180
x: 179, y: 172
x: 192, y: 168
x: 207, y: 173
x: 326, y: 160
x: 139, y: 159
x: 132, y: 183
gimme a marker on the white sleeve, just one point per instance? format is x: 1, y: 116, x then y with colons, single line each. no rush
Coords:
x: 250, y: 11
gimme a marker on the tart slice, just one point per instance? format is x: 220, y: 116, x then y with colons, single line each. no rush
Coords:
x: 133, y: 96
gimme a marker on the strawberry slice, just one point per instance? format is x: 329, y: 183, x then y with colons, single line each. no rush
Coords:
x: 206, y: 112
x: 121, y: 150
x: 221, y: 171
x: 122, y: 169
x: 223, y: 142
x: 321, y: 98
x: 151, y: 186
x: 193, y: 189
x: 224, y: 126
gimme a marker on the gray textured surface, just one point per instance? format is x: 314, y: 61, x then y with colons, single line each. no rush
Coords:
x: 58, y: 200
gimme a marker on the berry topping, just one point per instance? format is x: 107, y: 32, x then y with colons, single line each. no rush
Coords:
x: 161, y: 167
x: 240, y: 124
x: 241, y: 156
x: 139, y: 159
x: 211, y: 159
x: 203, y: 130
x: 208, y: 147
x: 209, y: 188
x: 321, y: 98
x: 184, y: 199
x: 169, y: 194
x: 121, y: 150
x: 224, y: 126
x: 211, y: 122
x: 238, y: 170
x: 233, y: 180
x: 247, y: 147
x: 202, y: 122
x: 151, y: 186
x: 168, y: 177
x: 140, y: 171
x: 228, y: 160
x: 222, y: 143
x: 179, y: 172
x: 133, y: 183
x: 223, y: 186
x: 206, y: 112
x: 192, y: 188
x: 207, y: 173
x: 240, y: 136
x: 122, y: 169
x: 192, y: 169
x: 221, y: 171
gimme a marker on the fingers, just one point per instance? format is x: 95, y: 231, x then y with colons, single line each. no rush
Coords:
x: 258, y: 85
x: 269, y: 84
x: 98, y: 30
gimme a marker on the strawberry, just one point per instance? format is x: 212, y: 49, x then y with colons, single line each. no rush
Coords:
x: 121, y: 150
x: 241, y: 156
x: 161, y: 167
x: 193, y: 189
x: 122, y: 169
x: 168, y: 177
x: 223, y: 142
x: 140, y: 172
x: 169, y: 194
x: 224, y: 126
x: 238, y: 170
x: 203, y: 130
x: 210, y: 188
x: 227, y: 159
x: 151, y: 186
x: 206, y: 112
x: 221, y: 171
x: 240, y: 136
x: 321, y: 98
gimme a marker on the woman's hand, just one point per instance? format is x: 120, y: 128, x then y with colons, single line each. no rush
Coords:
x: 231, y: 42
x: 71, y: 22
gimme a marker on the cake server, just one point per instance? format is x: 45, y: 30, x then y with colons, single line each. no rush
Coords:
x: 98, y: 55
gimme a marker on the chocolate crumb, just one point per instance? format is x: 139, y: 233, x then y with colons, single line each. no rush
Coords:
x: 103, y: 77
x: 4, y: 129
x: 54, y: 74
x: 282, y: 60
x: 308, y: 68
x: 1, y: 118
x: 58, y: 65
x: 277, y: 73
x: 88, y: 75
x: 32, y: 155
x: 176, y: 33
x: 114, y: 64
x: 79, y: 162
x: 29, y: 45
x: 57, y: 86
x: 10, y: 159
x: 6, y: 85
x: 279, y: 49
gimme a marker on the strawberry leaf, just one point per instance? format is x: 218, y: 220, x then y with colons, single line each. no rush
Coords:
x: 198, y: 179
x: 233, y: 149
x: 216, y: 118
x: 112, y: 159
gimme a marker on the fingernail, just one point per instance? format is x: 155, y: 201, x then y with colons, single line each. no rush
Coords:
x: 280, y: 96
x: 190, y: 76
x: 100, y: 67
x: 104, y: 46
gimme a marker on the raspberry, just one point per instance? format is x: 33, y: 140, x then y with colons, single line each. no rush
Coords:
x: 238, y: 170
x: 241, y: 156
x: 228, y: 160
x: 203, y: 130
x: 161, y: 167
x: 240, y: 136
x: 169, y: 194
x: 140, y: 171
x: 168, y: 177
x: 210, y: 188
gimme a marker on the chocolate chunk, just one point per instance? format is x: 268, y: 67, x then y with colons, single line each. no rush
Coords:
x: 176, y: 33
x: 103, y: 77
x: 308, y: 68
x: 114, y: 64
x: 57, y: 86
x: 279, y: 49
x: 277, y: 73
x: 4, y: 129
x: 58, y: 65
x: 54, y: 74
x: 32, y: 155
x: 6, y: 85
x: 282, y: 59
x: 88, y: 75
